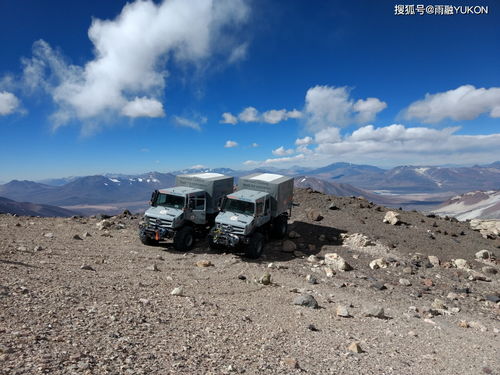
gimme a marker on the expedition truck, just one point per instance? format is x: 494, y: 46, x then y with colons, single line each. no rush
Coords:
x: 258, y: 208
x: 187, y: 209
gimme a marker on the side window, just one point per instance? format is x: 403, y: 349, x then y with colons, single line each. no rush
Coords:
x: 268, y: 206
x: 200, y: 202
x: 260, y: 208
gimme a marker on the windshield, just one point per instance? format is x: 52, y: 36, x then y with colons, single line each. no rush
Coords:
x: 168, y: 200
x: 239, y: 207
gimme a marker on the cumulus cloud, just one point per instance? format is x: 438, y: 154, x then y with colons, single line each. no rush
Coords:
x: 228, y: 118
x: 143, y: 107
x: 9, y: 103
x: 131, y: 53
x: 254, y: 145
x: 281, y: 151
x: 231, y: 144
x: 283, y: 160
x: 413, y: 145
x: 187, y: 123
x: 303, y: 141
x: 274, y: 116
x: 463, y: 103
x: 398, y: 141
x: 327, y: 135
x: 249, y: 114
x: 332, y: 106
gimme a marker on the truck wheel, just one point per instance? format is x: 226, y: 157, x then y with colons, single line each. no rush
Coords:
x: 280, y: 226
x: 184, y: 239
x: 146, y: 240
x: 255, y: 247
x: 212, y: 245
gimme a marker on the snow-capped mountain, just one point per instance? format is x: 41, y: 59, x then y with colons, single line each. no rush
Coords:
x: 472, y: 205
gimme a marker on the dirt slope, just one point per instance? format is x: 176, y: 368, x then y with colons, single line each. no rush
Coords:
x: 116, y: 315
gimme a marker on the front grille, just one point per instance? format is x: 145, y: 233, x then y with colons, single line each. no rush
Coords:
x: 159, y: 223
x: 231, y: 229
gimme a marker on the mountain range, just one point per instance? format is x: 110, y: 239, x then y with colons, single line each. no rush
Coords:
x: 342, y: 179
x: 33, y: 209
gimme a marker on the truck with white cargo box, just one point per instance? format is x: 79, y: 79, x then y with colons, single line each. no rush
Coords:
x: 187, y: 209
x: 260, y: 207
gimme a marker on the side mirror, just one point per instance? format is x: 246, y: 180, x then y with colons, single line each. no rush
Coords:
x: 154, y: 196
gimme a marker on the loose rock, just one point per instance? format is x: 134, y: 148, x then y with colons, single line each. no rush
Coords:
x: 391, y: 217
x: 306, y: 300
x: 355, y: 348
x: 289, y: 246
x: 342, y: 311
x: 378, y: 263
x: 374, y: 311
x: 179, y: 291
x: 337, y: 262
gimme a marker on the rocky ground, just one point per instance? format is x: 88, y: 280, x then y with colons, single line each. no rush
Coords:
x: 83, y: 296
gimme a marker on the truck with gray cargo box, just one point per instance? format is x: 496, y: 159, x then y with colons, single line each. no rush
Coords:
x: 258, y: 209
x: 187, y: 209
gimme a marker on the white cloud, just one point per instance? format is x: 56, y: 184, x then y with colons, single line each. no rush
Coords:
x: 228, y: 118
x: 368, y: 109
x: 9, y: 103
x: 274, y: 116
x: 281, y: 151
x: 303, y: 141
x: 230, y: 144
x: 327, y: 135
x: 283, y: 160
x: 197, y: 166
x: 238, y: 53
x: 131, y: 52
x: 303, y: 149
x: 332, y: 106
x: 463, y: 103
x: 187, y: 123
x: 399, y: 142
x: 396, y: 144
x: 249, y: 114
x: 294, y: 114
x: 143, y: 107
x: 254, y: 145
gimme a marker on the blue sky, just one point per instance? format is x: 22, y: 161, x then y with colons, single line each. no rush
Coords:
x: 94, y: 87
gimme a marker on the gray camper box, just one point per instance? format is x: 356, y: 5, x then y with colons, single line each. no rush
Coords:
x: 216, y: 186
x: 279, y: 187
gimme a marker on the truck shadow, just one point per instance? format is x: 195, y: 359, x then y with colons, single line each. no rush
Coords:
x: 312, y: 237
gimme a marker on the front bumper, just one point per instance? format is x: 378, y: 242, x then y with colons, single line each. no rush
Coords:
x: 228, y: 239
x: 156, y: 229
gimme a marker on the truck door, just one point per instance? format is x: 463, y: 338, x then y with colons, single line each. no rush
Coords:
x: 198, y: 206
x: 262, y: 211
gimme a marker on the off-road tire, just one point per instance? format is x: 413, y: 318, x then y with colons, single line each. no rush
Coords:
x: 184, y: 239
x: 280, y: 227
x: 255, y: 247
x: 146, y: 240
x: 212, y: 245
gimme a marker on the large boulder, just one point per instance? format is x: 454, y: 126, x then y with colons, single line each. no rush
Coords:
x: 336, y: 262
x: 488, y: 228
x: 392, y: 218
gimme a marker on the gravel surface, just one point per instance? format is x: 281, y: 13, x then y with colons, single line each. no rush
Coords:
x: 103, y: 303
